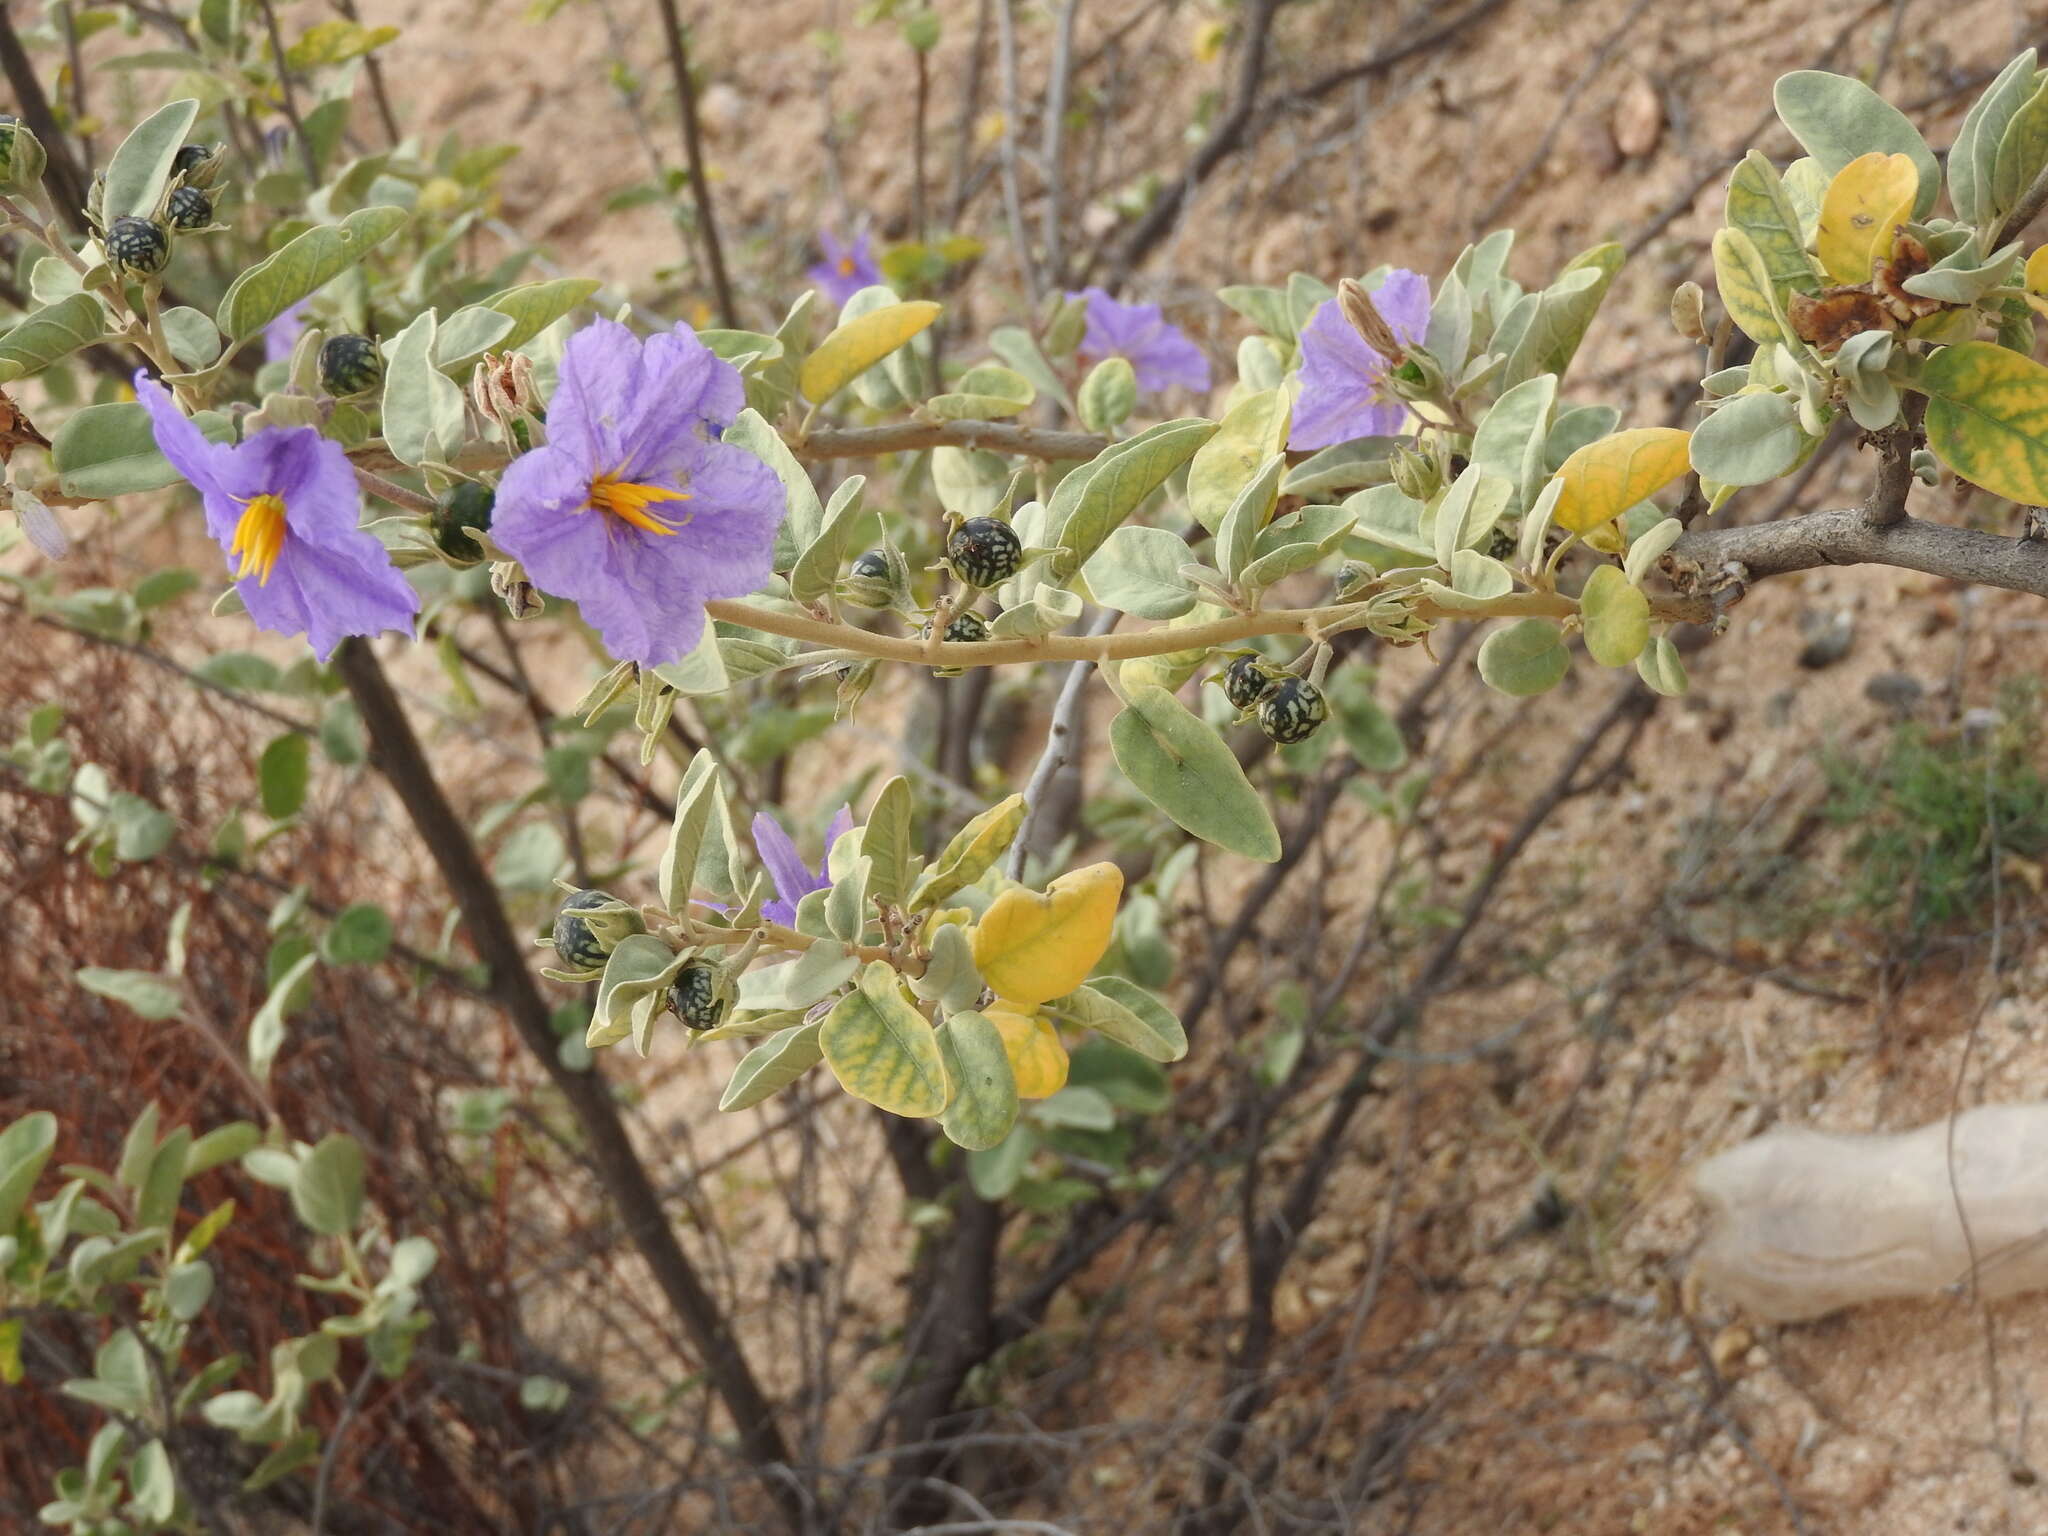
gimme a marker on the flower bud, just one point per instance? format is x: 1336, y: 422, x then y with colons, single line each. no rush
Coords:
x: 1416, y: 475
x: 21, y: 156
x: 508, y: 580
x: 350, y: 365
x: 984, y: 552
x: 190, y: 209
x: 503, y: 390
x: 468, y: 506
x: 138, y: 245
x: 1689, y: 312
x: 1357, y: 307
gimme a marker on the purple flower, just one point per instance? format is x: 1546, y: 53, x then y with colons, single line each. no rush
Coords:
x: 282, y: 334
x: 793, y: 878
x: 1342, y: 379
x: 283, y: 505
x: 846, y: 269
x: 634, y: 509
x: 1159, y: 353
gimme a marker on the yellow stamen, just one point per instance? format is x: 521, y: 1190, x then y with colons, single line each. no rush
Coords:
x: 846, y: 266
x: 628, y: 500
x: 259, y: 538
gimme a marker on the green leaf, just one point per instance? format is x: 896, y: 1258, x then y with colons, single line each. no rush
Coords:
x: 1183, y: 767
x: 1759, y: 206
x: 51, y: 333
x: 1749, y: 439
x: 1295, y: 542
x: 1616, y: 617
x: 884, y: 1051
x: 1469, y: 512
x: 1835, y: 119
x: 266, y: 1030
x: 1660, y: 668
x: 984, y: 1105
x: 1973, y: 157
x: 885, y: 842
x: 1511, y: 439
x: 1355, y: 465
x: 1108, y: 395
x: 142, y: 165
x: 1369, y: 731
x: 327, y: 1190
x: 806, y: 514
x: 985, y: 393
x: 994, y: 1173
x: 25, y: 1147
x: 1137, y: 570
x: 1233, y: 450
x: 142, y: 992
x: 773, y: 1065
x: 817, y: 568
x: 970, y: 855
x: 301, y: 268
x: 423, y: 408
x: 157, y: 1199
x: 1746, y: 289
x: 640, y: 966
x: 222, y: 1144
x: 1987, y: 418
x: 359, y: 935
x: 110, y: 450
x: 282, y: 773
x: 696, y: 799
x: 1264, y: 307
x: 1524, y: 658
x: 1125, y: 1012
x: 1563, y: 313
x: 1096, y: 498
x: 536, y: 306
x: 1247, y: 516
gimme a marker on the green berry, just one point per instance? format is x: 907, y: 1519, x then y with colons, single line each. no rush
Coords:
x: 463, y: 509
x: 1502, y: 544
x: 138, y: 245
x: 984, y: 552
x: 579, y: 948
x: 1293, y: 711
x: 190, y: 209
x: 966, y: 626
x: 695, y: 995
x: 350, y: 365
x: 872, y: 566
x: 1247, y: 680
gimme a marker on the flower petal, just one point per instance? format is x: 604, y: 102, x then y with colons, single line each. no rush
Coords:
x: 1402, y: 299
x: 179, y: 439
x: 793, y: 880
x: 597, y: 399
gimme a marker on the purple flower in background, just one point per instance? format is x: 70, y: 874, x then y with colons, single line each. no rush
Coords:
x: 634, y: 509
x: 1343, y: 392
x: 282, y: 334
x: 793, y: 878
x: 284, y: 506
x: 1159, y: 353
x: 846, y: 269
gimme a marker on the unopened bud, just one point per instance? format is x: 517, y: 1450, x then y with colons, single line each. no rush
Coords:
x: 40, y: 524
x: 1357, y: 307
x: 508, y: 580
x: 1415, y: 474
x: 21, y: 156
x: 1689, y: 312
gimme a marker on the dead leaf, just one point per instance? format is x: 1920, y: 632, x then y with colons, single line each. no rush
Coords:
x: 1638, y: 118
x: 1838, y: 314
x: 16, y: 429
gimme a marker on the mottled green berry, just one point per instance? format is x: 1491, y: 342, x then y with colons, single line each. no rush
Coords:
x: 1247, y: 680
x: 138, y: 245
x: 1502, y: 544
x: 872, y: 566
x: 574, y: 942
x: 350, y: 364
x: 967, y: 626
x: 466, y: 508
x: 695, y: 996
x: 190, y: 157
x: 984, y: 552
x: 190, y: 209
x: 1293, y: 711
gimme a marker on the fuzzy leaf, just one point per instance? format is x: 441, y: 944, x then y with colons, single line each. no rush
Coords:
x: 1603, y: 480
x: 1032, y: 948
x: 858, y: 345
x: 1182, y: 766
x: 984, y: 1105
x: 1987, y: 418
x: 884, y: 1051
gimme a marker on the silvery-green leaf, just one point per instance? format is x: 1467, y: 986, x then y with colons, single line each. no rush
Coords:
x: 1468, y: 512
x: 1013, y: 344
x: 772, y: 1066
x: 806, y: 514
x: 423, y: 411
x: 1047, y: 611
x: 1386, y: 516
x: 1479, y: 576
x: 810, y: 978
x: 1749, y: 439
x: 1294, y: 543
x: 1247, y: 515
x: 1449, y: 337
x: 1264, y: 307
x: 969, y: 481
x: 1973, y: 156
x: 846, y: 902
x: 640, y: 964
x: 818, y: 566
x: 142, y: 165
x: 1836, y: 118
x: 1362, y: 462
x: 1512, y: 438
x: 1137, y: 571
x: 1648, y: 548
x: 1261, y: 364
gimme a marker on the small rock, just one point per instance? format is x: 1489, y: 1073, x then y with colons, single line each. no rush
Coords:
x: 1895, y: 691
x: 1828, y: 637
x: 1638, y: 120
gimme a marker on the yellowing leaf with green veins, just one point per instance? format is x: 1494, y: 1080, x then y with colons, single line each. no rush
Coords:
x: 1251, y: 432
x: 1038, y: 1059
x: 973, y: 851
x: 1604, y: 479
x: 1987, y: 418
x: 883, y: 1050
x: 1616, y: 617
x: 1866, y: 202
x: 1745, y: 285
x: 2037, y: 271
x: 1032, y: 948
x: 858, y: 345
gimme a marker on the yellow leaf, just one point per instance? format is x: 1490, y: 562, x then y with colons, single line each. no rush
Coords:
x: 1251, y: 432
x: 1604, y: 479
x: 974, y: 849
x: 1038, y: 1059
x: 2037, y: 271
x: 858, y: 345
x: 1032, y: 948
x: 1745, y: 283
x: 1987, y: 418
x: 1865, y: 203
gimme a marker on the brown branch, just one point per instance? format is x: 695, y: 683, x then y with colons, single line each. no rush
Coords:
x: 62, y: 173
x: 1849, y: 536
x: 404, y: 764
x: 693, y: 149
x: 911, y: 436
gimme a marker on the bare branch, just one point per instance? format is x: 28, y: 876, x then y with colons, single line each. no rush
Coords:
x: 1848, y: 536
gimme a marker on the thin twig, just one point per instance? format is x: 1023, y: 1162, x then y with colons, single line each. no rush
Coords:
x: 289, y: 98
x: 1059, y: 740
x: 1013, y: 203
x: 693, y: 149
x: 1059, y: 79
